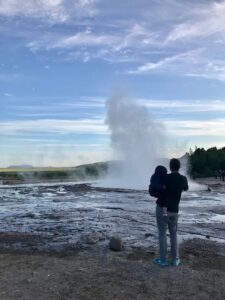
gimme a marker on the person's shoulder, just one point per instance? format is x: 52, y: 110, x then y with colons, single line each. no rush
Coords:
x: 169, y: 175
x: 173, y: 175
x: 178, y: 176
x: 183, y: 176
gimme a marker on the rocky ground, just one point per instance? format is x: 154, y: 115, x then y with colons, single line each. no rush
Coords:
x: 54, y: 244
x: 101, y: 274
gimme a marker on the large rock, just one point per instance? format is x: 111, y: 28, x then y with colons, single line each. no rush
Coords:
x: 116, y: 243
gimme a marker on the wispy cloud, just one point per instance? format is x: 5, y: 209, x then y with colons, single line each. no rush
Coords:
x: 194, y: 63
x: 170, y: 63
x: 191, y: 128
x: 139, y: 33
x: 85, y: 126
x: 185, y: 106
x: 108, y: 45
x: 56, y: 11
x: 207, y: 21
x: 86, y: 38
x: 174, y: 36
x: 55, y: 107
x: 117, y: 41
x: 94, y: 107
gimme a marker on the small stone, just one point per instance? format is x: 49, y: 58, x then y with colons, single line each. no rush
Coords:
x: 93, y: 238
x: 148, y: 234
x: 29, y: 215
x: 116, y: 243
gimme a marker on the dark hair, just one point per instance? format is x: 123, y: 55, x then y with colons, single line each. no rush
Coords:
x: 174, y: 164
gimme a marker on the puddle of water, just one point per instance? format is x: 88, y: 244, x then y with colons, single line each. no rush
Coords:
x: 218, y: 218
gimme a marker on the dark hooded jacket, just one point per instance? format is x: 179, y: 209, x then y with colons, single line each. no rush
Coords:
x: 175, y: 185
x: 157, y: 185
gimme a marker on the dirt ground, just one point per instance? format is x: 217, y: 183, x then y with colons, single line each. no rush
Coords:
x: 102, y: 274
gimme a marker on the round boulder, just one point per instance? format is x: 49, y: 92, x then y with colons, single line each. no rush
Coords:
x: 116, y: 243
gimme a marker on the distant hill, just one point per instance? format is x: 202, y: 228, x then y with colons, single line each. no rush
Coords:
x: 28, y: 173
x: 20, y: 167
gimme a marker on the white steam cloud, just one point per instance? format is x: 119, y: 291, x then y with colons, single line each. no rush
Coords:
x: 137, y: 140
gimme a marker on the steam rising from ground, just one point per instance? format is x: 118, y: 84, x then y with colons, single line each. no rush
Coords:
x: 137, y: 140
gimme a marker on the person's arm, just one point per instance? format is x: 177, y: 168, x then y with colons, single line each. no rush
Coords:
x: 185, y: 184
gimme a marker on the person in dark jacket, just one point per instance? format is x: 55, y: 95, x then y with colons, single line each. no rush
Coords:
x: 157, y: 189
x: 175, y: 185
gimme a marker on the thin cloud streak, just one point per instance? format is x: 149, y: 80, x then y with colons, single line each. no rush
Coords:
x: 86, y: 38
x: 95, y: 107
x: 54, y: 11
x: 208, y: 21
x: 182, y: 106
x: 169, y: 63
x: 97, y: 127
x: 194, y: 63
x: 84, y: 126
x: 191, y: 128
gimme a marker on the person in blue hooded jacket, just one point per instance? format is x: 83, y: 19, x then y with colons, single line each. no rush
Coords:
x: 157, y: 187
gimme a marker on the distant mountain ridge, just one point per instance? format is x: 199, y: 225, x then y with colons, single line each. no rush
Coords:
x: 20, y: 167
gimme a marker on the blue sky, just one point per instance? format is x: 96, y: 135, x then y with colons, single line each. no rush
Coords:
x: 60, y: 60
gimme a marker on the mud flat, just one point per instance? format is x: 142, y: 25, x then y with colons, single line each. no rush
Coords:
x: 54, y: 244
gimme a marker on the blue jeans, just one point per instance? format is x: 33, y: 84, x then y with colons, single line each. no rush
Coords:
x: 162, y: 223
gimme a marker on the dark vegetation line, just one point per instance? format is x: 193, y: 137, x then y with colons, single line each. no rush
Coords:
x: 205, y: 163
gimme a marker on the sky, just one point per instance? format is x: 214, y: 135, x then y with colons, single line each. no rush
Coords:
x: 60, y: 60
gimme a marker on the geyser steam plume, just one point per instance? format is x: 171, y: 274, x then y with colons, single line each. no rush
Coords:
x: 137, y: 140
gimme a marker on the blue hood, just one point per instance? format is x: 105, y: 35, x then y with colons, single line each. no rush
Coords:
x: 161, y: 170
